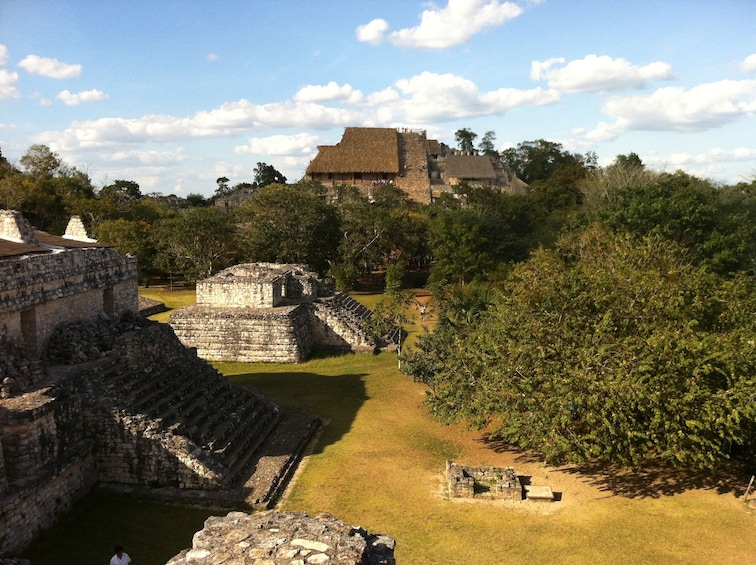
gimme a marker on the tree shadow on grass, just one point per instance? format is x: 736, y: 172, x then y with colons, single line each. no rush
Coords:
x: 652, y: 481
x: 336, y: 399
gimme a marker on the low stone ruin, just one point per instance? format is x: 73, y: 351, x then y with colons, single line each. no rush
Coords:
x: 274, y: 538
x: 497, y: 483
x: 268, y: 312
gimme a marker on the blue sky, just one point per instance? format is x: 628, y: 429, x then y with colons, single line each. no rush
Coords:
x: 174, y: 94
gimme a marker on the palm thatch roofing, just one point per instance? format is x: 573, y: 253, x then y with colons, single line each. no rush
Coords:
x: 469, y: 167
x: 361, y: 150
x: 433, y: 147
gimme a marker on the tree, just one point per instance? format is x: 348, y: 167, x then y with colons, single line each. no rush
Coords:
x: 197, y: 243
x: 265, y: 174
x: 486, y: 145
x: 39, y: 162
x: 466, y: 139
x: 540, y: 159
x: 289, y: 224
x: 121, y: 192
x: 129, y: 237
x: 609, y: 349
x: 223, y: 188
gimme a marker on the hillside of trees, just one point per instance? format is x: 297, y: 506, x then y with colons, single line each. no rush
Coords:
x: 606, y: 315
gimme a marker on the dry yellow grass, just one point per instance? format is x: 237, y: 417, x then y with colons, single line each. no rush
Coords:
x: 379, y: 464
x: 380, y: 460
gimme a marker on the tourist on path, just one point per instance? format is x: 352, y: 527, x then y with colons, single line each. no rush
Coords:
x: 120, y: 557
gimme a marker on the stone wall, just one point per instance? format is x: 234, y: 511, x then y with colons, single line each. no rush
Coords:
x: 40, y: 291
x: 499, y: 483
x: 246, y: 335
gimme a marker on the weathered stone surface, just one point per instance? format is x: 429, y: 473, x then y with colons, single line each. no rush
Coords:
x: 484, y: 482
x: 282, y: 539
x: 266, y: 312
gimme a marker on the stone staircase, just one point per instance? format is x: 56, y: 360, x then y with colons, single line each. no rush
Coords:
x: 344, y: 316
x: 163, y: 402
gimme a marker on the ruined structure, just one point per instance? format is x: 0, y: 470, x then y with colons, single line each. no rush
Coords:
x: 496, y: 483
x: 284, y: 538
x: 423, y: 168
x: 266, y: 312
x: 93, y: 394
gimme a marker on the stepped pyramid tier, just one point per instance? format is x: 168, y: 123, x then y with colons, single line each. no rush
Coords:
x: 132, y: 410
x: 266, y: 312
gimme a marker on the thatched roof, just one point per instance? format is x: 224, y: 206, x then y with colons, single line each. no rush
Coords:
x: 433, y: 147
x: 469, y: 167
x: 361, y: 150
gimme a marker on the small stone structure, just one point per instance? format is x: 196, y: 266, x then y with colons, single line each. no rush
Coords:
x: 273, y: 538
x: 268, y: 312
x: 498, y: 483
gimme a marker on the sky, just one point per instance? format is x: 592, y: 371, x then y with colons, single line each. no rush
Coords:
x: 173, y: 94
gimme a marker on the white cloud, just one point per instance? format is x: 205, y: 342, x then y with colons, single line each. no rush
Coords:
x: 298, y: 144
x: 8, y: 82
x: 597, y: 74
x: 442, y: 28
x: 71, y: 99
x: 3, y: 55
x: 749, y: 64
x: 51, y: 68
x: 145, y: 158
x: 329, y: 92
x: 700, y: 108
x: 229, y: 119
x: 714, y: 163
x: 446, y: 97
x: 372, y: 32
x: 210, y: 57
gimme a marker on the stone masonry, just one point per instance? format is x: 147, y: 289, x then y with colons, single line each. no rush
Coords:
x: 273, y: 538
x: 266, y: 312
x: 483, y: 482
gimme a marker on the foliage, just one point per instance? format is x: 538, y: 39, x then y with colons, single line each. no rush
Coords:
x: 290, y: 224
x: 196, y: 243
x: 605, y: 349
x: 394, y: 276
x: 129, y: 236
x: 540, y: 159
x: 466, y: 139
x: 265, y: 174
x: 121, y: 192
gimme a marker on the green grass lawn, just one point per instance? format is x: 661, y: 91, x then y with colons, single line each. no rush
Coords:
x: 379, y: 463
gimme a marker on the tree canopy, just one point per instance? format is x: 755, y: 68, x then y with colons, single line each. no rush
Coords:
x: 605, y: 348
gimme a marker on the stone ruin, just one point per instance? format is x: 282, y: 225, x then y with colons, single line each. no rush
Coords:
x: 274, y: 538
x: 92, y: 394
x: 496, y: 483
x: 267, y: 312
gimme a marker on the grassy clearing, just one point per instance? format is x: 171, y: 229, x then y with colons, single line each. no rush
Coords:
x: 380, y: 459
x: 173, y: 299
x: 379, y: 463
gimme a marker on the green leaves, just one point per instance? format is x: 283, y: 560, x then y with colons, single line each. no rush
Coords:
x: 605, y: 348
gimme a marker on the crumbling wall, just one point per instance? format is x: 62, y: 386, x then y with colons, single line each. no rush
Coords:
x: 500, y: 483
x: 284, y: 537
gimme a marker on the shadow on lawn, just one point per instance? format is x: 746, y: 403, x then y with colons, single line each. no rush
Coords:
x: 336, y: 399
x: 649, y: 482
